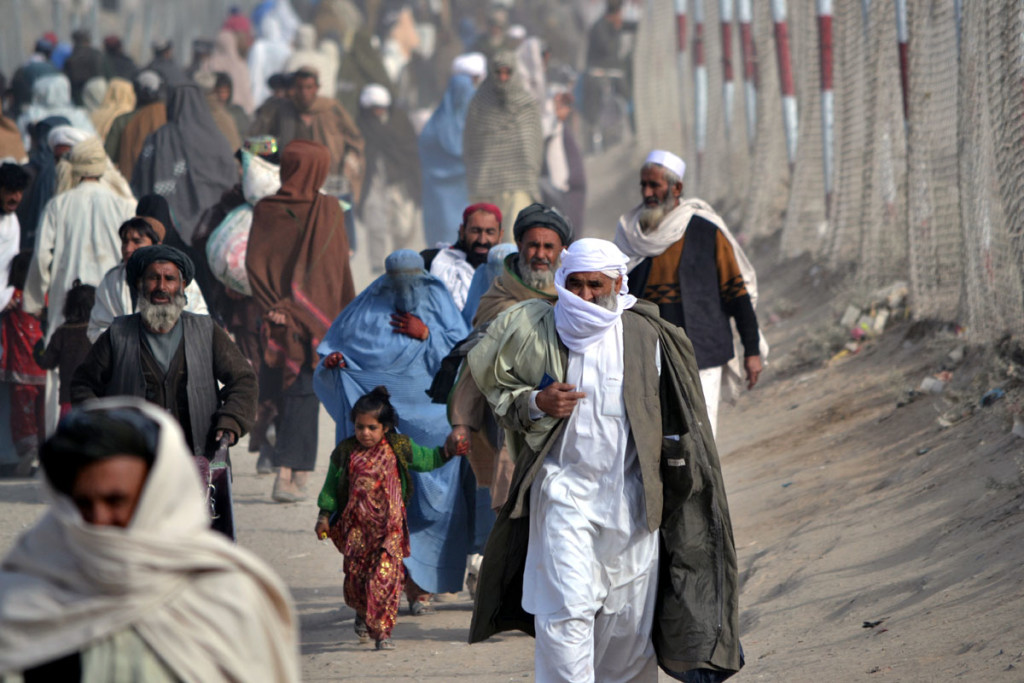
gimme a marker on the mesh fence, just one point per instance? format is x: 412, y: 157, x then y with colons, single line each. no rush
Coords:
x: 935, y: 196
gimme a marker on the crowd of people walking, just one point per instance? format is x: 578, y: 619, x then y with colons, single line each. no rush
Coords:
x: 518, y: 411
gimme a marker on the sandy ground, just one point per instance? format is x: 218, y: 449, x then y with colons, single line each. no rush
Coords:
x: 849, y: 511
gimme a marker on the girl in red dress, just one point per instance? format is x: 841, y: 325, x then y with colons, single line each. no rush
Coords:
x: 362, y: 509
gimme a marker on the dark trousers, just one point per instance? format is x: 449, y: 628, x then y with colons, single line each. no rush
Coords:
x: 296, y: 425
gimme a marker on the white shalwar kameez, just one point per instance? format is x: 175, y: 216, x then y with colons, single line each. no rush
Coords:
x: 10, y: 241
x: 113, y: 299
x: 451, y: 267
x: 591, y: 564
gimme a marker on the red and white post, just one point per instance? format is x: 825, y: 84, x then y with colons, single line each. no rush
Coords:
x: 903, y: 36
x: 745, y: 15
x: 827, y: 98
x: 789, y: 110
x: 728, y: 86
x: 700, y: 84
x: 680, y: 6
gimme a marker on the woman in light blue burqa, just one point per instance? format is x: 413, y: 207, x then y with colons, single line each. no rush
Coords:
x: 444, y: 173
x: 444, y: 524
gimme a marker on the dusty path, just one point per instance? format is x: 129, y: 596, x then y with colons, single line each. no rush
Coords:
x: 847, y: 509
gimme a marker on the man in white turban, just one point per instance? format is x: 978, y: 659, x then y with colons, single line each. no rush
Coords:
x: 683, y: 258
x: 603, y: 413
x: 123, y: 579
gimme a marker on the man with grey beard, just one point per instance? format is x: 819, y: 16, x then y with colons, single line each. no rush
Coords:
x: 171, y: 357
x: 699, y: 283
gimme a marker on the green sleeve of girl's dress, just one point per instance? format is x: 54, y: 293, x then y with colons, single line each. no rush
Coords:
x: 425, y: 459
x: 328, y: 499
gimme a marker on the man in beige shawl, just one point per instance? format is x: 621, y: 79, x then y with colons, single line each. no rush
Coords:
x: 123, y: 579
x: 683, y: 258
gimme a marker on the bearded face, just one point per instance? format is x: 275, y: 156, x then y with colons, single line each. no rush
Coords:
x: 161, y: 317
x: 537, y: 272
x: 655, y: 210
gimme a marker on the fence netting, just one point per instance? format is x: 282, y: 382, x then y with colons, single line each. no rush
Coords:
x: 928, y: 190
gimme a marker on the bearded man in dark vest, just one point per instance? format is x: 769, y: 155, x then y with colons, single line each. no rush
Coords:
x: 180, y: 361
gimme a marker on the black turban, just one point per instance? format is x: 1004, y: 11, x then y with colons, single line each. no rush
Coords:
x: 539, y: 216
x: 144, y: 256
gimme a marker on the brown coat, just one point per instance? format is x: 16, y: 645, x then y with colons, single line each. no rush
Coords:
x: 467, y: 406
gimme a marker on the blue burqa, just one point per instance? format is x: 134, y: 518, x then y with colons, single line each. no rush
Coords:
x: 441, y: 510
x: 444, y: 174
x: 483, y: 278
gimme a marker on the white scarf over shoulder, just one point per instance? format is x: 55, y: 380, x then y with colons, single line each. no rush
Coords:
x: 637, y: 245
x: 210, y: 610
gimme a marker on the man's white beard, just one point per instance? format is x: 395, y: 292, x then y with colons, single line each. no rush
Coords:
x: 161, y: 318
x: 537, y: 279
x: 651, y: 216
x: 609, y: 301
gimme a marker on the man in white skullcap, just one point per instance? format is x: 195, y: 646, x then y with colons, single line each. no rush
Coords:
x: 603, y: 413
x: 683, y: 258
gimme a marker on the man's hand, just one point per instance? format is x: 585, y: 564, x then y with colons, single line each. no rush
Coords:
x: 334, y: 360
x: 559, y: 399
x: 276, y: 317
x: 409, y: 325
x: 457, y: 442
x: 221, y: 433
x: 752, y: 364
x: 323, y: 525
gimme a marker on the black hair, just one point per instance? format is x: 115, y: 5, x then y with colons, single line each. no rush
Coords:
x: 613, y: 7
x: 306, y: 72
x: 223, y: 80
x: 85, y: 437
x: 378, y: 404
x: 19, y: 269
x: 277, y: 82
x: 140, y: 226
x: 13, y: 177
x: 78, y: 303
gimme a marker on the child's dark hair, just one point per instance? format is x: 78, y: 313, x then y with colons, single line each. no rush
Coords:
x: 378, y: 404
x: 19, y: 270
x: 78, y: 303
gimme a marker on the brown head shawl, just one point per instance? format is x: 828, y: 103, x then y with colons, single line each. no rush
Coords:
x: 503, y: 142
x: 297, y: 259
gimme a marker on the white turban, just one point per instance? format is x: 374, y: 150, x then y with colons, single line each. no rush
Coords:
x: 580, y: 323
x: 374, y: 95
x: 472, y: 64
x: 668, y: 160
x: 66, y: 135
x: 591, y: 255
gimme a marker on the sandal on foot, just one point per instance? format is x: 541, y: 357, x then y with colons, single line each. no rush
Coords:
x: 385, y: 644
x: 361, y: 629
x: 419, y: 608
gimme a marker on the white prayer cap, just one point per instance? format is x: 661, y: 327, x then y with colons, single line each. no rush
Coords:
x: 66, y: 135
x: 516, y: 32
x: 592, y: 255
x: 668, y: 160
x: 473, y: 64
x: 374, y: 95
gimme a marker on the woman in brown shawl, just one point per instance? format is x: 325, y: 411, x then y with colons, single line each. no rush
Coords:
x: 298, y: 267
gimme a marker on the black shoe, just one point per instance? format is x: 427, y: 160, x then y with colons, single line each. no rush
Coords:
x: 361, y: 630
x: 385, y: 644
x: 420, y: 607
x: 264, y: 465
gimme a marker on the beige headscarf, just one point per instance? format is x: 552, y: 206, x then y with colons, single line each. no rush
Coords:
x: 210, y: 610
x: 120, y: 99
x: 87, y: 159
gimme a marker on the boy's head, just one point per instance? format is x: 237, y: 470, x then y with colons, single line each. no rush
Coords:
x: 138, y: 232
x: 78, y: 303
